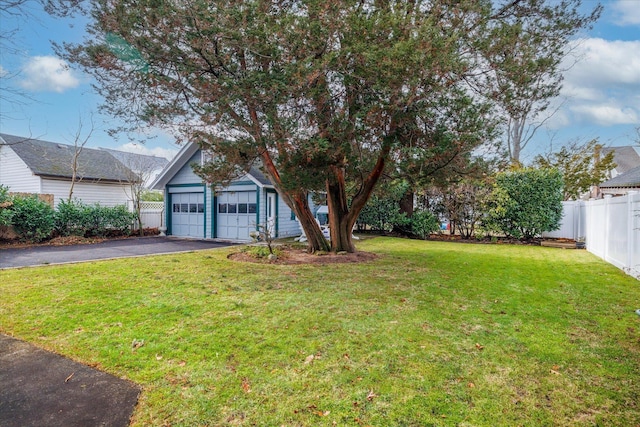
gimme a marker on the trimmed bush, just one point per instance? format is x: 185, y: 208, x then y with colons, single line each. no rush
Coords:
x: 527, y: 202
x: 78, y: 219
x: 31, y: 218
x: 70, y: 218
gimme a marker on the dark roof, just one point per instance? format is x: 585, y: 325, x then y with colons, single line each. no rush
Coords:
x: 55, y: 160
x: 625, y: 158
x: 138, y: 162
x: 630, y: 178
x: 259, y: 176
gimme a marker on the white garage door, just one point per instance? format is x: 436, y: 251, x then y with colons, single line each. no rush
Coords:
x: 187, y: 214
x: 236, y: 215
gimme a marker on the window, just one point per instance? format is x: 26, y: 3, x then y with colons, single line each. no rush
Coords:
x: 222, y: 208
x: 242, y: 208
x: 176, y: 207
x: 184, y: 207
x: 231, y: 208
x: 252, y: 208
x: 200, y: 207
x: 193, y: 208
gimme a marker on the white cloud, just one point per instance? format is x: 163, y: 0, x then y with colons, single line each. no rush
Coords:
x: 130, y: 147
x: 602, y: 87
x: 627, y: 12
x: 48, y: 74
x: 604, y: 62
x: 3, y: 72
x: 607, y: 115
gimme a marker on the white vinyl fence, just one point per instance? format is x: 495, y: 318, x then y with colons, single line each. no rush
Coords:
x: 610, y: 227
x: 152, y: 214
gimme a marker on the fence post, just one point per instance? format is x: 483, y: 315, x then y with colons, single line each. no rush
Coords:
x: 630, y: 240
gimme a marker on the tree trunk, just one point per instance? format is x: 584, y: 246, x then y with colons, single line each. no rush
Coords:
x: 341, y: 221
x: 315, y: 238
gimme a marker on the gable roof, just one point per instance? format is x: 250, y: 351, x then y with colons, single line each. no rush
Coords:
x: 625, y: 158
x: 183, y: 156
x: 630, y: 178
x: 53, y: 160
x: 137, y: 162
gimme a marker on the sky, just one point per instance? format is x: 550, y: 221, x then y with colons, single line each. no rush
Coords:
x: 600, y: 96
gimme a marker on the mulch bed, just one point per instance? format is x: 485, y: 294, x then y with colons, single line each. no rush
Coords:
x: 296, y: 256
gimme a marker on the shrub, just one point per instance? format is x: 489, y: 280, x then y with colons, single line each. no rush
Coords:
x: 102, y: 220
x: 31, y: 218
x: 78, y: 219
x: 423, y: 223
x: 524, y: 203
x: 69, y: 219
x: 5, y: 204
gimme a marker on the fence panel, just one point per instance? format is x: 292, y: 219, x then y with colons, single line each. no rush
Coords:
x: 151, y: 214
x: 572, y: 225
x: 612, y: 231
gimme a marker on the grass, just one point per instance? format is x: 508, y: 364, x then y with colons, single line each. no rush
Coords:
x: 431, y: 333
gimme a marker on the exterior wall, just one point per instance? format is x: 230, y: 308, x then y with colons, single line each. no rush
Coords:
x: 15, y: 174
x: 88, y: 192
x: 287, y: 224
x: 186, y: 175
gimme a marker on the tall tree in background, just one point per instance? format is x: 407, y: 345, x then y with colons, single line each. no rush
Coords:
x: 581, y: 165
x: 524, y: 57
x: 323, y: 95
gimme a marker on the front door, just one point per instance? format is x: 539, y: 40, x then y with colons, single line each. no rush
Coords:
x: 271, y: 213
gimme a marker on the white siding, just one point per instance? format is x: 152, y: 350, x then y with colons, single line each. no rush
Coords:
x: 186, y: 175
x: 15, y: 174
x: 89, y: 193
x: 287, y: 227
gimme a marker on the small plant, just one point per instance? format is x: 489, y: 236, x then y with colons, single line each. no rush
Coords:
x: 261, y: 251
x: 263, y: 234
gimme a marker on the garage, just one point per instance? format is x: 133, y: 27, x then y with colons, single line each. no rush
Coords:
x: 187, y: 214
x: 236, y: 215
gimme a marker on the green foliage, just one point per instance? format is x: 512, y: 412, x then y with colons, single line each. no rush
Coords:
x: 70, y: 218
x: 5, y: 204
x: 423, y: 223
x: 382, y: 211
x: 31, y: 218
x: 75, y: 218
x: 151, y: 196
x: 324, y: 95
x: 581, y: 165
x: 101, y: 220
x: 382, y: 214
x: 526, y: 202
x: 261, y: 251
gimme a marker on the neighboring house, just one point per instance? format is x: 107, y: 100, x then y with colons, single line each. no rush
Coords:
x: 229, y: 213
x: 35, y: 166
x: 623, y: 183
x: 144, y: 166
x: 625, y: 158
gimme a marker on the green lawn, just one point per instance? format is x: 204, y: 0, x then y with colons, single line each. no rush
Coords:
x: 431, y: 333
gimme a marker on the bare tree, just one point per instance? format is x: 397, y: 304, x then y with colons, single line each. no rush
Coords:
x: 79, y: 141
x: 139, y: 170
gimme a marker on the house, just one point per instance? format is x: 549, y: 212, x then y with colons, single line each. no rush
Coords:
x: 625, y: 158
x: 193, y: 209
x: 29, y: 165
x: 623, y: 183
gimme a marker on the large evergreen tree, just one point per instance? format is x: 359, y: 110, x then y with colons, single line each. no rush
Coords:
x: 324, y: 95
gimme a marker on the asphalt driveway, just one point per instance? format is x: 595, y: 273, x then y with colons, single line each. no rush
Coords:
x: 123, y: 248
